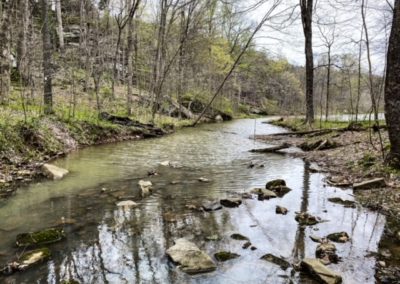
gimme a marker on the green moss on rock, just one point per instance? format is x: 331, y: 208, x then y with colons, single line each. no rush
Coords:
x: 46, y: 236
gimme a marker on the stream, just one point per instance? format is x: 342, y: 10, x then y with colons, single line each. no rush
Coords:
x: 110, y: 244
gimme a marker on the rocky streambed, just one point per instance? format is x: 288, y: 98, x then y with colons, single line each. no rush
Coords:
x: 196, y: 206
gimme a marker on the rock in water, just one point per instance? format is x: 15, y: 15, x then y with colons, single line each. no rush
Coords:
x: 191, y: 259
x: 26, y: 261
x: 278, y: 186
x: 211, y: 206
x: 370, y: 184
x: 146, y: 187
x: 306, y: 219
x: 46, y: 236
x: 326, y: 251
x: 263, y: 193
x: 281, y: 210
x: 225, y: 255
x: 203, y: 179
x: 239, y: 237
x: 231, y: 202
x: 276, y: 260
x: 54, y: 172
x: 340, y: 237
x: 320, y: 271
x: 127, y: 204
x: 275, y: 183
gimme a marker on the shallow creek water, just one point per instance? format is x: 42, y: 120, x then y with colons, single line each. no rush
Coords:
x: 108, y: 244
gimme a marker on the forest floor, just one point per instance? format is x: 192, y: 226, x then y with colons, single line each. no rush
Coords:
x: 354, y: 155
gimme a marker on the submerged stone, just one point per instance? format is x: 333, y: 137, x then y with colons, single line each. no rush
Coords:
x: 225, y: 255
x: 323, y: 274
x: 26, y: 261
x: 246, y: 245
x: 211, y: 206
x: 203, y: 179
x: 214, y: 237
x: 340, y: 237
x: 239, y: 237
x: 190, y: 258
x: 306, y: 219
x: 127, y: 204
x: 46, y: 236
x: 276, y: 260
x: 231, y: 202
x: 54, y: 172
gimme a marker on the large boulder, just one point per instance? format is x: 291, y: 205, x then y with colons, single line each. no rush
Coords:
x: 39, y: 238
x: 54, y: 172
x: 190, y: 258
x: 370, y: 184
x: 323, y: 274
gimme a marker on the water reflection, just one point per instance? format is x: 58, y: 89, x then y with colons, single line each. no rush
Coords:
x: 110, y: 244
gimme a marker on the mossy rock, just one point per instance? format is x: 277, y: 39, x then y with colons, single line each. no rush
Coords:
x: 225, y: 255
x: 276, y: 260
x: 239, y: 237
x: 43, y: 237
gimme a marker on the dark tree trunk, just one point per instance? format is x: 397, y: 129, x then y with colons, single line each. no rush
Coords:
x: 392, y: 88
x: 47, y: 68
x: 306, y: 18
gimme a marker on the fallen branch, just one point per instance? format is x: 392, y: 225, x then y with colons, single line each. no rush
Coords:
x: 273, y: 149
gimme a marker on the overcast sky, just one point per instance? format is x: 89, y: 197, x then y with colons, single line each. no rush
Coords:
x: 289, y: 41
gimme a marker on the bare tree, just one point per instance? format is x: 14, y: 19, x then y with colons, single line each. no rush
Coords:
x: 392, y: 88
x: 306, y: 7
x: 47, y: 65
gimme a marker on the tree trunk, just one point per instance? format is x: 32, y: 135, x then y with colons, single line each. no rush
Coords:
x: 306, y: 17
x: 22, y: 60
x: 370, y: 76
x: 5, y: 53
x: 47, y: 68
x: 328, y: 84
x: 392, y: 88
x: 130, y: 67
x: 60, y: 29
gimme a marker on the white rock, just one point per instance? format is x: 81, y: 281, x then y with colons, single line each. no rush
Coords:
x: 54, y: 172
x: 145, y: 186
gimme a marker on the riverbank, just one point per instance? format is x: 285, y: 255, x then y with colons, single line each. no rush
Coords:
x: 26, y: 146
x: 352, y: 154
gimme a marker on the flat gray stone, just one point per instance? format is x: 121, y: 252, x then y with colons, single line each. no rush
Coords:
x: 190, y: 258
